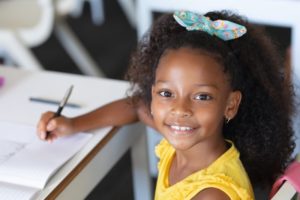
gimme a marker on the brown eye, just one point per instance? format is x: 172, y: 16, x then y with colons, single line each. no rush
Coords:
x: 165, y: 94
x: 203, y: 97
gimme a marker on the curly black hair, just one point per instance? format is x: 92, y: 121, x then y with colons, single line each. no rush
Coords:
x: 262, y: 129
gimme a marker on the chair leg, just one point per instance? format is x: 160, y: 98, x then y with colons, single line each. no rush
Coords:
x: 129, y: 9
x: 17, y: 52
x: 76, y: 50
x: 140, y: 169
x: 97, y: 11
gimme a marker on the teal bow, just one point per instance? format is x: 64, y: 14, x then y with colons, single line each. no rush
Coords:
x: 223, y: 29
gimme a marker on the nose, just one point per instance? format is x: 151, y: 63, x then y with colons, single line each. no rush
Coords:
x: 182, y: 108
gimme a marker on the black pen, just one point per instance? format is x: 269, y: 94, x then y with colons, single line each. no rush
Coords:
x: 61, y: 105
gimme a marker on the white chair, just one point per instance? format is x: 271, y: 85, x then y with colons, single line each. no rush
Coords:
x: 69, y: 40
x: 75, y: 9
x: 24, y: 24
x: 28, y: 23
x: 129, y: 8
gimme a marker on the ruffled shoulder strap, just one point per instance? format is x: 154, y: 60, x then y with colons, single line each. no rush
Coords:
x: 162, y: 148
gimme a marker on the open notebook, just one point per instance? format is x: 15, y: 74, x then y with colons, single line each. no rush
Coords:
x: 27, y: 163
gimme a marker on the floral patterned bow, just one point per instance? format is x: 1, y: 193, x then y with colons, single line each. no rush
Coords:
x: 223, y: 29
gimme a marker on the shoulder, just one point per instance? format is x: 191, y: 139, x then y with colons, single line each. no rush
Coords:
x: 211, y: 194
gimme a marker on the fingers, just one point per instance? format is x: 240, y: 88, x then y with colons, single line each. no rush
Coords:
x: 50, y: 128
x: 42, y: 124
x: 51, y: 137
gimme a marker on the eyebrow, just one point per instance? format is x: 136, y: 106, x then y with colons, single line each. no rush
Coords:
x: 197, y: 84
x: 207, y: 85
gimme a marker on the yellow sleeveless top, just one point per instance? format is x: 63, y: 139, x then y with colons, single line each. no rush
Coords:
x: 226, y: 174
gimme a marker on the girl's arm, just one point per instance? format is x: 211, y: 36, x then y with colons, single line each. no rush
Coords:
x: 117, y: 113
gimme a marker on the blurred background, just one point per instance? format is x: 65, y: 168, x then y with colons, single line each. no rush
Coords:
x: 90, y: 37
x: 109, y: 43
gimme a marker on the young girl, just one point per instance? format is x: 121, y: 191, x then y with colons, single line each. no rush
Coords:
x: 212, y: 86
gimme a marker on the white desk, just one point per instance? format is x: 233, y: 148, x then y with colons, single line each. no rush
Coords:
x: 82, y: 173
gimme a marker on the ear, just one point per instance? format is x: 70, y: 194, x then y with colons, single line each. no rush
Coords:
x: 233, y: 104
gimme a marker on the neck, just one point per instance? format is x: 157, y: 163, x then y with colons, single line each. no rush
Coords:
x: 197, y: 158
x: 205, y: 152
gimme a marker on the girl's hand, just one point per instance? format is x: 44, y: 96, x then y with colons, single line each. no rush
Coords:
x: 56, y: 127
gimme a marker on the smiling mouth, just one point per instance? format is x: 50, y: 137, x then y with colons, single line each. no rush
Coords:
x: 181, y: 130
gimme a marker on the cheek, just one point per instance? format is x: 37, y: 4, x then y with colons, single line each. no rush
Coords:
x: 209, y: 117
x: 159, y: 110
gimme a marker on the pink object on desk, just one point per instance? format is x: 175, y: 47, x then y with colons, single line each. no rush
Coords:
x: 1, y: 81
x: 291, y: 174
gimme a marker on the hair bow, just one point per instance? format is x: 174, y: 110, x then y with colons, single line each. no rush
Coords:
x: 223, y: 29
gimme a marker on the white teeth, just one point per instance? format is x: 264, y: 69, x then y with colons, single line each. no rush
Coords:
x: 181, y: 128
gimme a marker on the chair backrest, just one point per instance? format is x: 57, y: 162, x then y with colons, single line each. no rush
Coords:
x: 31, y: 20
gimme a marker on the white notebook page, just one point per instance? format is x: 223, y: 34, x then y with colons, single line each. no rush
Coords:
x: 26, y: 160
x: 16, y: 192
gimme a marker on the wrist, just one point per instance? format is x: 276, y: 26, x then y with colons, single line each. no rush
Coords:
x: 75, y: 125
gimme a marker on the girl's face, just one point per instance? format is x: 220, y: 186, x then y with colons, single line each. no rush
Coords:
x: 191, y: 96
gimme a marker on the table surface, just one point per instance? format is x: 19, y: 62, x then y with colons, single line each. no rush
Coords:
x: 78, y: 177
